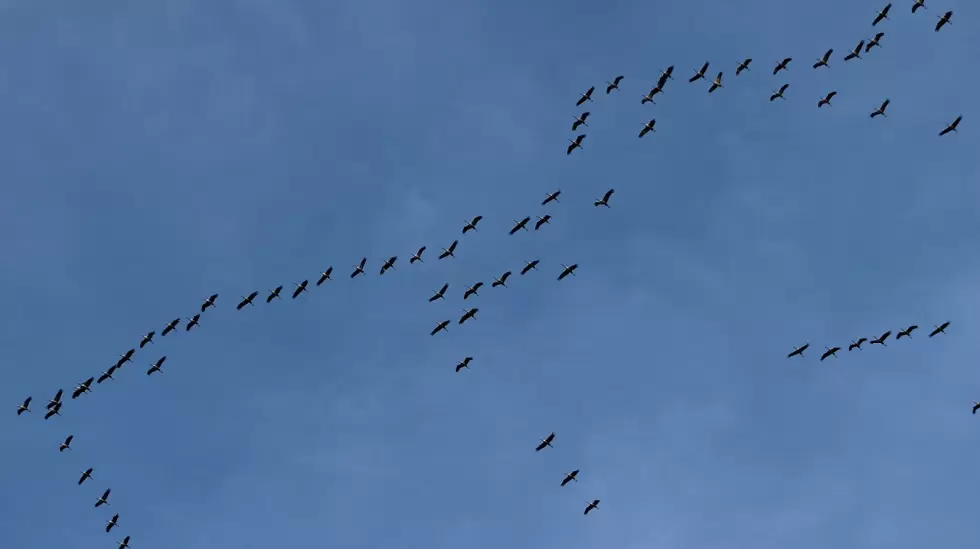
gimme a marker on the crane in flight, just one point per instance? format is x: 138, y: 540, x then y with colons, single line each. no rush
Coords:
x: 542, y: 220
x: 501, y: 281
x: 518, y: 225
x: 918, y: 4
x: 880, y: 340
x: 56, y: 400
x: 699, y: 74
x: 389, y: 264
x: 907, y: 332
x: 528, y: 265
x: 587, y: 96
x: 472, y: 290
x: 157, y: 366
x: 825, y: 60
x: 471, y: 224
x: 568, y: 270
x: 24, y: 406
x: 441, y: 294
x: 107, y: 374
x: 648, y: 98
x: 112, y: 523
x: 449, y: 252
x: 799, y: 351
x: 209, y: 302
x: 66, y: 444
x: 594, y: 504
x: 570, y: 477
x: 325, y: 276
x: 545, y: 442
x: 648, y: 127
x: 300, y: 288
x: 831, y: 351
x: 246, y: 300
x: 104, y: 500
x: 856, y: 344
x: 193, y: 321
x: 883, y: 14
x: 976, y: 406
x: 148, y: 338
x: 83, y: 387
x: 274, y: 294
x: 124, y: 544
x: 778, y: 94
x: 939, y: 329
x: 465, y: 363
x: 86, y: 474
x: 604, y: 201
x: 856, y: 52
x: 580, y: 120
x: 575, y: 143
x: 552, y: 197
x: 468, y: 314
x: 743, y: 66
x: 782, y: 66
x: 170, y: 327
x: 614, y: 85
x: 441, y: 327
x: 881, y: 109
x: 53, y: 411
x: 826, y: 100
x: 359, y: 267
x: 876, y: 41
x: 952, y: 126
x: 665, y: 75
x: 944, y: 20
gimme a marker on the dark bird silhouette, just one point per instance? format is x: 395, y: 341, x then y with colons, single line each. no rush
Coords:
x: 528, y: 265
x: 56, y: 400
x: 665, y: 75
x: 465, y: 363
x: 390, y: 264
x: 876, y: 41
x: 907, y: 332
x: 594, y: 504
x: 648, y: 98
x: 918, y: 4
x: 699, y: 74
x: 552, y: 197
x: 944, y: 20
x: 246, y: 300
x: 826, y: 100
x: 148, y: 338
x: 442, y: 326
x: 570, y: 477
x: 359, y: 268
x: 587, y: 96
x: 575, y: 143
x: 716, y: 83
x: 614, y: 85
x: 831, y: 351
x: 580, y: 120
x: 856, y: 52
x: 798, y: 351
x: 501, y: 281
x: 778, y: 94
x: 325, y: 276
x: 107, y: 374
x: 209, y: 302
x: 104, y: 500
x: 881, y: 109
x: 648, y: 127
x: 53, y: 411
x: 24, y: 406
x: 193, y: 321
x: 301, y: 287
x: 87, y: 474
x: 782, y: 65
x: 568, y: 270
x: 417, y: 256
x: 125, y: 357
x: 976, y: 406
x: 881, y: 339
x: 952, y: 126
x: 604, y: 201
x: 743, y: 66
x: 545, y: 442
x: 468, y: 314
x: 66, y: 445
x: 542, y: 220
x: 940, y: 329
x: 111, y: 523
x: 518, y: 225
x: 883, y: 14
x: 856, y: 344
x: 170, y: 327
x: 825, y: 60
x: 83, y: 387
x: 472, y: 290
x: 448, y: 252
x: 124, y: 544
x: 471, y: 224
x: 441, y: 294
x: 274, y: 294
x: 157, y: 366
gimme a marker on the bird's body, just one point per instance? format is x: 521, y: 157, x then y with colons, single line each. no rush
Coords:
x: 125, y: 357
x: 648, y: 127
x: 465, y: 363
x: 56, y: 400
x: 944, y: 20
x: 468, y: 314
x: 545, y: 442
x: 648, y: 98
x: 907, y: 332
x: 856, y: 344
x: 575, y: 143
x: 124, y: 544
x: 300, y: 288
x: 193, y: 321
x: 939, y: 329
x: 782, y: 65
x: 104, y: 499
x: 825, y: 60
x: 883, y: 14
x: 551, y: 197
x: 112, y: 523
x: 83, y: 387
x: 528, y: 265
x: 826, y: 100
x: 442, y: 326
x: 614, y: 85
x: 716, y: 83
x: 880, y: 340
x: 148, y: 338
x: 665, y: 75
x: 472, y: 290
x: 594, y: 504
x: 448, y: 252
x: 778, y: 94
x: 170, y: 327
x: 952, y: 126
x: 743, y: 66
x: 518, y: 225
x: 53, y: 411
x: 699, y: 74
x: 875, y: 41
x: 274, y: 294
x: 66, y: 444
x: 568, y: 270
x: 542, y: 220
x: 976, y: 406
x: 389, y: 264
x: 831, y: 351
x: 358, y: 268
x: 798, y: 351
x: 501, y: 281
x: 157, y: 366
x: 24, y: 406
x: 918, y: 4
x: 604, y: 201
x: 107, y: 374
x: 441, y: 294
x: 587, y: 96
x: 856, y: 52
x: 246, y: 300
x: 325, y: 276
x: 86, y: 474
x: 881, y: 109
x: 570, y: 477
x: 209, y: 302
x: 471, y: 224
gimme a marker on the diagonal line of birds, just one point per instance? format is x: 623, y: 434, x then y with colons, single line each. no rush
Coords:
x: 55, y: 404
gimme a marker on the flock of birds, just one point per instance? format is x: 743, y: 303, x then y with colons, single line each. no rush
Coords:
x: 55, y: 404
x: 864, y: 46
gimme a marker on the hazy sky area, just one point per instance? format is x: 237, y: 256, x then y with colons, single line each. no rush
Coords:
x: 154, y: 153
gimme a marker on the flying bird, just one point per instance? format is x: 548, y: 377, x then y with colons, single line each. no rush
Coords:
x: 716, y: 83
x: 325, y: 276
x: 114, y: 521
x: 441, y: 294
x: 976, y: 406
x: 826, y: 99
x: 665, y: 75
x: 907, y: 332
x: 798, y: 351
x: 568, y: 270
x: 300, y: 288
x: 614, y: 85
x: 66, y: 445
x: 148, y: 338
x: 359, y: 268
x: 952, y: 126
x: 604, y: 201
x: 580, y: 120
x: 881, y: 109
x: 831, y: 351
x: 648, y: 127
x: 274, y: 294
x: 87, y: 474
x: 107, y: 374
x: 442, y: 326
x: 883, y: 14
x: 648, y: 98
x: 743, y: 66
x: 918, y: 4
x: 104, y: 500
x: 856, y: 52
x: 209, y: 302
x: 575, y: 143
x: 570, y: 477
x: 699, y: 74
x: 522, y: 224
x: 468, y: 315
x: 552, y: 197
x: 170, y: 327
x: 24, y: 406
x: 881, y: 339
x: 825, y: 60
x: 940, y: 329
x: 528, y: 265
x: 778, y: 93
x: 472, y: 290
x: 542, y: 220
x: 876, y: 41
x: 944, y: 19
x: 125, y: 357
x: 389, y: 264
x: 124, y: 544
x: 465, y: 363
x: 193, y: 321
x: 53, y: 411
x: 594, y: 504
x: 247, y: 300
x: 545, y: 442
x: 83, y: 387
x: 56, y: 400
x: 448, y: 252
x: 502, y: 281
x: 471, y: 224
x: 782, y: 65
x: 157, y: 366
x: 587, y: 96
x: 856, y: 344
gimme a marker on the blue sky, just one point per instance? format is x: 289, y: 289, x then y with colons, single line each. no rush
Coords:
x: 154, y: 153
